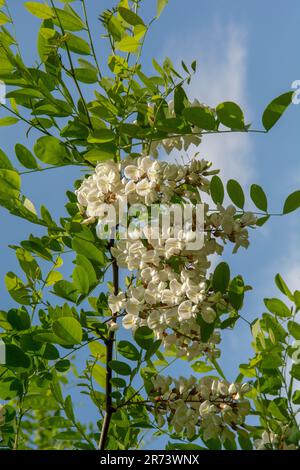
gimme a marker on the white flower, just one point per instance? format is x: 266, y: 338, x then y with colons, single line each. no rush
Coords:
x: 208, y: 314
x: 116, y: 302
x: 133, y: 173
x: 133, y: 306
x: 129, y: 321
x: 143, y: 187
x: 204, y: 407
x: 113, y: 326
x: 185, y: 310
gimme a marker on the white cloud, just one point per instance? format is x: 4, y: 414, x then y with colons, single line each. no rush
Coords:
x: 221, y: 77
x: 290, y: 268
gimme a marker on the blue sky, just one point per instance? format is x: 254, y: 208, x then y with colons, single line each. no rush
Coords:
x: 246, y: 52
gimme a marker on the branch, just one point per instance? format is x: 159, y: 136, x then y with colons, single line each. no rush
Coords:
x: 109, y: 410
x: 73, y: 75
x: 90, y: 38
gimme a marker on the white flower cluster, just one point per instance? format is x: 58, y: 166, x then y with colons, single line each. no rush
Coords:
x: 271, y: 441
x: 187, y: 404
x: 2, y: 414
x: 170, y: 291
x: 225, y: 225
x: 140, y: 180
x: 168, y: 299
x: 104, y: 186
x: 176, y: 142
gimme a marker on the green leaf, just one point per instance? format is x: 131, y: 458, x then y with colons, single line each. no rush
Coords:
x: 144, y: 337
x: 19, y: 319
x: 68, y: 436
x: 101, y: 136
x: 161, y: 4
x: 81, y: 280
x: 50, y: 150
x: 63, y: 365
x: 15, y: 357
x: 45, y: 336
x: 50, y: 352
x: 25, y: 157
x: 236, y: 292
x: 120, y: 367
x: 77, y: 44
x: 296, y: 397
x: 88, y: 249
x: 4, y: 18
x: 68, y: 407
x: 4, y: 161
x: 130, y: 17
x: 118, y: 382
x: 68, y: 20
x: 99, y: 374
x: 106, y: 152
x: 247, y: 371
x: 41, y: 11
x: 98, y: 350
x: 259, y: 197
x: 57, y: 109
x: 68, y: 329
x: 275, y: 110
x: 8, y: 121
x: 10, y: 387
x: 295, y: 371
x: 55, y: 422
x: 85, y: 75
x: 280, y: 283
x: 206, y: 329
x: 292, y: 202
x: 201, y: 117
x: 294, y: 329
x: 128, y: 350
x: 244, y: 440
x: 217, y: 190
x: 236, y: 194
x: 180, y: 100
x: 88, y: 267
x: 17, y: 289
x: 277, y: 307
x: 66, y: 290
x: 56, y: 389
x: 221, y: 277
x: 262, y: 220
x: 10, y: 181
x: 231, y: 115
x: 218, y: 368
x: 128, y: 44
x: 201, y: 367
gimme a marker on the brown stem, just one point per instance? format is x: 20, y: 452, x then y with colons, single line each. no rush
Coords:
x: 109, y: 410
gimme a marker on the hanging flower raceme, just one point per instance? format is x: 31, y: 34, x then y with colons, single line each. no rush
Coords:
x: 170, y: 290
x: 188, y: 404
x: 272, y: 441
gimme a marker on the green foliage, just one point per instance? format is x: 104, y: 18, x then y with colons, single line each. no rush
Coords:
x: 217, y: 190
x: 236, y: 193
x: 56, y: 315
x: 259, y: 197
x: 221, y: 277
x: 292, y: 202
x: 275, y: 109
x: 231, y: 115
x: 201, y: 117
